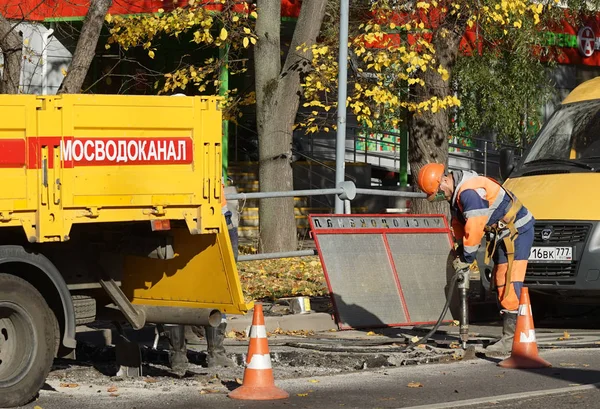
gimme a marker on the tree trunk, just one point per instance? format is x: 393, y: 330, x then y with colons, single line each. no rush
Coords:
x: 12, y: 50
x: 277, y: 99
x: 86, y: 47
x: 429, y: 131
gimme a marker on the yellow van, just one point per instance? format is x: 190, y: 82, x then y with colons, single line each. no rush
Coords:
x: 558, y: 180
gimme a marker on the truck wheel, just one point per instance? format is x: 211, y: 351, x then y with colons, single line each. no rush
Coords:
x: 27, y: 341
x: 85, y: 309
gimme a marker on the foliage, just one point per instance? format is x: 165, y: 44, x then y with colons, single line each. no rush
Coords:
x: 272, y: 279
x: 499, y: 79
x: 395, y: 41
x: 503, y: 89
x: 228, y: 27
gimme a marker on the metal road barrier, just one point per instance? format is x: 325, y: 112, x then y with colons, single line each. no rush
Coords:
x: 346, y: 191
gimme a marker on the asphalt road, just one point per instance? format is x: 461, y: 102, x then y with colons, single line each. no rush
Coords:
x: 475, y: 383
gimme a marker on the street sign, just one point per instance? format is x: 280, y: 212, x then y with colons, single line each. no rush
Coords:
x: 385, y: 270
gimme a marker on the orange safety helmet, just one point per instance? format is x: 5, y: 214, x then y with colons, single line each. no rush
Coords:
x: 430, y: 177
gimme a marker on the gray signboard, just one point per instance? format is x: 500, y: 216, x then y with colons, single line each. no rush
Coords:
x: 384, y: 270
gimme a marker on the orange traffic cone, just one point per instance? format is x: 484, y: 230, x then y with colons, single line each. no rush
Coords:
x: 524, y: 348
x: 258, y: 381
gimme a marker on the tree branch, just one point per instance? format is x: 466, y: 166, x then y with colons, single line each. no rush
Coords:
x: 267, y: 58
x: 12, y: 51
x: 86, y: 47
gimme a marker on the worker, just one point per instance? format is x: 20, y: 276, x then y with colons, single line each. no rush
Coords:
x: 480, y: 205
x: 215, y: 337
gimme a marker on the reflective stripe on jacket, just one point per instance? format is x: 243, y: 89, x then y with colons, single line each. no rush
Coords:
x: 478, y: 202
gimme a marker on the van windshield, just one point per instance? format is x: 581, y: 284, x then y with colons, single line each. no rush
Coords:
x: 571, y: 134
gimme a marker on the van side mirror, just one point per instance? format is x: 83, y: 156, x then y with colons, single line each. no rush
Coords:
x: 507, y: 162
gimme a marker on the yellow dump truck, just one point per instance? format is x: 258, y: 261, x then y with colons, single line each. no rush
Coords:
x: 107, y: 203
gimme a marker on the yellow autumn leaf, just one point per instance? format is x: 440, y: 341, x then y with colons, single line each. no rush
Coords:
x: 246, y: 42
x: 223, y: 34
x: 303, y: 394
x: 313, y: 381
x: 415, y: 385
x: 151, y: 54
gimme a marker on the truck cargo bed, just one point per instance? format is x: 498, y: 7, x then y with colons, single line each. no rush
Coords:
x: 109, y: 158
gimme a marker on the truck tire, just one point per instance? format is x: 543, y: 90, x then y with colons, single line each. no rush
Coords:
x: 27, y: 341
x: 85, y: 309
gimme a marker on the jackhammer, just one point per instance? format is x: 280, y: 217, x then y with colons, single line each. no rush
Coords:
x: 463, y: 280
x: 462, y: 277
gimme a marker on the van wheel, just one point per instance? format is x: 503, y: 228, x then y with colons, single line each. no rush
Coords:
x: 27, y: 341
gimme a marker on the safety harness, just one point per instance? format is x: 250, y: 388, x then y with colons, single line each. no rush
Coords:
x: 506, y: 231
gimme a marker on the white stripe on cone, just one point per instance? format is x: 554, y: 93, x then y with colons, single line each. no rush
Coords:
x: 523, y: 309
x: 526, y: 339
x: 260, y: 362
x: 258, y: 331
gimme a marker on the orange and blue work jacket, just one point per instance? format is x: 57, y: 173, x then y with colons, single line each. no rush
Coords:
x: 478, y: 202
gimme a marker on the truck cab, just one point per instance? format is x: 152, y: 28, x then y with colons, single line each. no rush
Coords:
x: 557, y: 180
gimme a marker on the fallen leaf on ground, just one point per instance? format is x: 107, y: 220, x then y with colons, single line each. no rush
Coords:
x: 238, y: 381
x: 415, y: 385
x: 370, y: 333
x: 567, y: 364
x: 112, y: 389
x: 455, y: 323
x: 302, y: 394
x: 150, y: 380
x: 298, y: 332
x: 114, y: 395
x: 586, y: 365
x: 69, y: 385
x: 565, y: 336
x: 313, y: 381
x: 205, y: 391
x: 236, y: 334
x: 37, y: 407
x: 415, y: 339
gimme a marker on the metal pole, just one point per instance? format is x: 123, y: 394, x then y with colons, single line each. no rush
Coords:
x: 289, y: 193
x: 265, y: 256
x: 485, y: 158
x: 224, y: 87
x: 340, y: 156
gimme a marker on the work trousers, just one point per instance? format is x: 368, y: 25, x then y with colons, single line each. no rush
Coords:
x: 523, y: 245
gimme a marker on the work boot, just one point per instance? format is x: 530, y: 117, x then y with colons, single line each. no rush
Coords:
x: 178, y: 353
x: 504, y: 345
x: 193, y: 335
x: 215, y: 349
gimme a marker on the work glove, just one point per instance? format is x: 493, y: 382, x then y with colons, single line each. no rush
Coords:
x: 460, y: 265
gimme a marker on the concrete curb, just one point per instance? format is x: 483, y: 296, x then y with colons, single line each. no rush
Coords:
x: 314, y: 321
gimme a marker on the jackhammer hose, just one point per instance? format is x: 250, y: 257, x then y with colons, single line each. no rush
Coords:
x: 440, y: 319
x: 451, y: 288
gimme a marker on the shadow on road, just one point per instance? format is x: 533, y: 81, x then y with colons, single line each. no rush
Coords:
x: 562, y: 372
